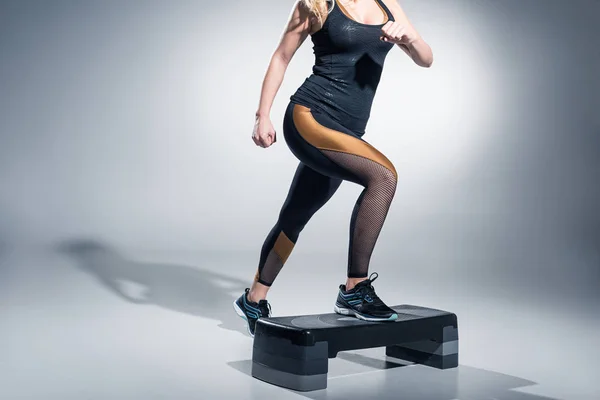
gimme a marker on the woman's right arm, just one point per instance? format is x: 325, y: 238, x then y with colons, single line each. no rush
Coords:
x: 296, y: 31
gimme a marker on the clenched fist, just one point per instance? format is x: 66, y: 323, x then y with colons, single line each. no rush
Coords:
x: 396, y: 33
x: 263, y: 133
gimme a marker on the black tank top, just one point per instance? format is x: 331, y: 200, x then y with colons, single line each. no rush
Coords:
x: 349, y: 58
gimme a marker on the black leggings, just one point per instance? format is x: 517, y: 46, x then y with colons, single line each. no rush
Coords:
x: 329, y: 153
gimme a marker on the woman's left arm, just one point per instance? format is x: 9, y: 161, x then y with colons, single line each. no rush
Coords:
x: 402, y: 33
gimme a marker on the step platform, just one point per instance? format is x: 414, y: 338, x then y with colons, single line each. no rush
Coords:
x: 293, y: 352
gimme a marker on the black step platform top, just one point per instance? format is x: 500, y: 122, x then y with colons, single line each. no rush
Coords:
x: 345, y: 332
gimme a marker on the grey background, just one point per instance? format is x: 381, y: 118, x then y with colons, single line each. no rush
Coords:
x: 125, y: 129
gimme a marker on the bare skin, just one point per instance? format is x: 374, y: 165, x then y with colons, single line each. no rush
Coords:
x: 300, y: 25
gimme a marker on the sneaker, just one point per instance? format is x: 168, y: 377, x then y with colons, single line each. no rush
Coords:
x: 362, y: 302
x: 251, y: 311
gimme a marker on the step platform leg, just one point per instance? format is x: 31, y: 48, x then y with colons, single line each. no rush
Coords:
x: 283, y: 363
x: 440, y: 352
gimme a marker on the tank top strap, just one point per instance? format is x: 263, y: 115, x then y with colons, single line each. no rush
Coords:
x: 331, y: 6
x: 386, y: 9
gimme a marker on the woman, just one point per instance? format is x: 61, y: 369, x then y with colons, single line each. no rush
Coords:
x: 323, y: 127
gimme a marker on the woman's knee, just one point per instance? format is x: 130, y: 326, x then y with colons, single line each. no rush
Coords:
x: 390, y: 177
x: 385, y: 180
x: 293, y: 222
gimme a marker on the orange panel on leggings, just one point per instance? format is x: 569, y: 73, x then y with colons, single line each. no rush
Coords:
x: 329, y: 139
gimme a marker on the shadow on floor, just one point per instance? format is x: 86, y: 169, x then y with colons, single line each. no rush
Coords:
x: 175, y: 287
x: 414, y: 382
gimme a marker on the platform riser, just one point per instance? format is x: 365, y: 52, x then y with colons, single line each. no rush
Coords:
x: 430, y: 347
x: 287, y: 380
x: 296, y: 366
x: 286, y: 348
x: 419, y: 357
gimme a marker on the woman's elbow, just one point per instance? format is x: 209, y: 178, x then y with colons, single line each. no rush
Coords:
x: 282, y: 58
x: 425, y: 61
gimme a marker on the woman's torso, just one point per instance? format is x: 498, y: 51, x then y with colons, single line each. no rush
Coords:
x: 349, y: 58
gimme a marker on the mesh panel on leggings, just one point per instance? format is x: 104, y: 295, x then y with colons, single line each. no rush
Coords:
x: 270, y: 270
x: 370, y: 210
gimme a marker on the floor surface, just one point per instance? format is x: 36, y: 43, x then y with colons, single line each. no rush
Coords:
x: 83, y: 321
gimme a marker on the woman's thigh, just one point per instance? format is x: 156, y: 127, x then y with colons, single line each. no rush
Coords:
x: 329, y: 148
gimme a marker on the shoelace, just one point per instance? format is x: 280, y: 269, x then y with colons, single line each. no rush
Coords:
x: 366, y: 289
x: 265, y: 309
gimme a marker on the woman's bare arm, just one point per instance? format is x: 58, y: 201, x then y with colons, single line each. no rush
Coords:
x: 296, y: 31
x: 417, y: 49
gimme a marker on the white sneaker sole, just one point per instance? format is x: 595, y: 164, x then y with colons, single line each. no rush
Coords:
x: 239, y: 312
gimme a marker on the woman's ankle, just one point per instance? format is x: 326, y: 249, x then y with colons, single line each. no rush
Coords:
x: 351, y: 282
x: 257, y: 292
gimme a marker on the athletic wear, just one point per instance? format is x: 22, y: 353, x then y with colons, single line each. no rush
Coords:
x: 349, y: 58
x: 329, y: 153
x: 251, y: 311
x: 362, y: 302
x: 323, y: 127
